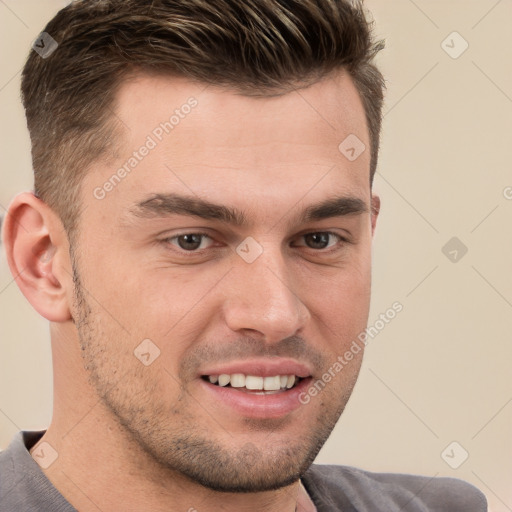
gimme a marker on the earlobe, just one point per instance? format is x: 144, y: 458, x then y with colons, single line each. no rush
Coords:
x: 37, y: 254
x: 375, y: 211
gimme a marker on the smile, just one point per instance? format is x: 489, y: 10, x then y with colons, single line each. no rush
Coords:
x: 254, y: 383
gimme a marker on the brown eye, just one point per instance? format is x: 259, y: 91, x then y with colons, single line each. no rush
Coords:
x: 189, y: 242
x: 321, y: 240
x: 317, y: 240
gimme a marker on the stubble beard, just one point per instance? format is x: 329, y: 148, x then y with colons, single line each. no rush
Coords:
x: 170, y: 434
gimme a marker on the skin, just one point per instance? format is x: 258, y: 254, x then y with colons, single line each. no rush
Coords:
x: 152, y: 436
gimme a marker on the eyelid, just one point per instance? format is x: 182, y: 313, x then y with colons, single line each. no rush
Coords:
x: 341, y: 241
x: 200, y: 233
x: 341, y: 238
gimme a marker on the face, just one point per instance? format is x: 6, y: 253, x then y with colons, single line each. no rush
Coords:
x: 233, y: 253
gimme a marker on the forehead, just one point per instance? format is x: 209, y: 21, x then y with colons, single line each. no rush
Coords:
x: 332, y: 103
x: 214, y: 142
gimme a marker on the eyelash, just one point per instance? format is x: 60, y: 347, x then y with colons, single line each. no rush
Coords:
x: 341, y: 239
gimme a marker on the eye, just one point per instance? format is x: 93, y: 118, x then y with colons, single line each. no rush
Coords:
x: 189, y: 242
x: 320, y: 240
x: 196, y: 242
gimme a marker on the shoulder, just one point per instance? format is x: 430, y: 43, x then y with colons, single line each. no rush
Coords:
x: 23, y: 485
x: 364, y: 491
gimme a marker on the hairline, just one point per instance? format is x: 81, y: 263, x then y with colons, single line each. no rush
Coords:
x: 134, y: 73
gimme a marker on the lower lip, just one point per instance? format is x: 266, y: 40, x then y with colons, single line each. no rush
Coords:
x: 251, y: 405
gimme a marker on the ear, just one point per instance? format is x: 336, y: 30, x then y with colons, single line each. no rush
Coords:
x: 375, y: 211
x: 37, y: 251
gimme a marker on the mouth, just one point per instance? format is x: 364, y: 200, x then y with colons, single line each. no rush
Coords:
x: 254, y: 396
x: 261, y: 388
x: 254, y: 384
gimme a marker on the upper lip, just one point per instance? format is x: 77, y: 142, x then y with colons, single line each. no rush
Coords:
x: 263, y: 367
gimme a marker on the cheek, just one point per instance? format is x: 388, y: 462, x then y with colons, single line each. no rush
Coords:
x: 138, y: 301
x: 342, y: 289
x: 128, y: 367
x: 342, y: 305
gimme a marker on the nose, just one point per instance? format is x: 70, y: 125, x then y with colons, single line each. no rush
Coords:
x: 262, y: 296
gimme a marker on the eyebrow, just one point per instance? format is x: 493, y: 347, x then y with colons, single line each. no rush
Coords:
x: 163, y: 205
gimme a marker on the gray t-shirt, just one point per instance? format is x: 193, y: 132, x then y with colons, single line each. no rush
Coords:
x: 25, y: 488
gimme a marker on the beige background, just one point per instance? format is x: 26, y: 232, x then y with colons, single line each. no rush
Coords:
x: 440, y: 371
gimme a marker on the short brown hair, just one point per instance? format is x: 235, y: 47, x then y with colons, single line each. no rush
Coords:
x: 256, y: 47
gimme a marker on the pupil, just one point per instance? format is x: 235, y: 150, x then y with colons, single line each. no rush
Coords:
x: 194, y: 240
x: 319, y: 238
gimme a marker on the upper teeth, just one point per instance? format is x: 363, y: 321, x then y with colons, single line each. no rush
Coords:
x: 239, y: 380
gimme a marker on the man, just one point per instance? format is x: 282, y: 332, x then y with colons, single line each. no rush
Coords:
x: 200, y: 240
